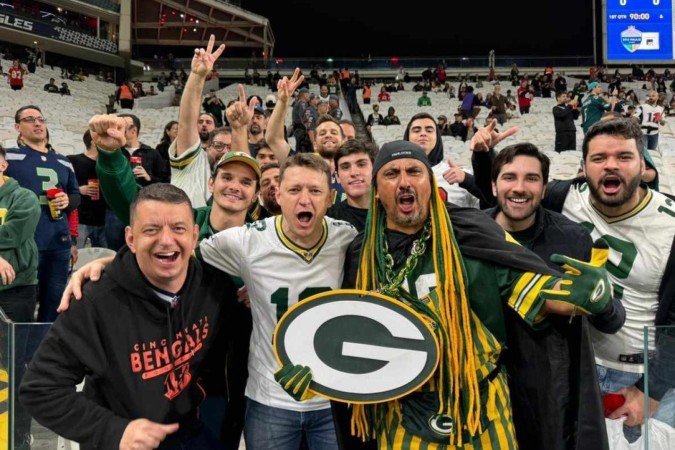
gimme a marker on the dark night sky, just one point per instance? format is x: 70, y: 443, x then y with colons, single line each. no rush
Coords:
x: 448, y: 28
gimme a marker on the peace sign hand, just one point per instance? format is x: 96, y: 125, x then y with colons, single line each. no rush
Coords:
x: 286, y: 87
x: 203, y: 60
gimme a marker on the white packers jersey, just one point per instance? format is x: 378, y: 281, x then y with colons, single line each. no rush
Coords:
x: 640, y: 243
x: 452, y: 192
x: 277, y: 274
x: 191, y: 172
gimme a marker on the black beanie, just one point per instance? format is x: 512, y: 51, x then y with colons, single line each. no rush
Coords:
x: 398, y: 150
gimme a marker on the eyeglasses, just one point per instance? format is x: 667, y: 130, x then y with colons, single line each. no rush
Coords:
x: 31, y: 119
x: 221, y: 146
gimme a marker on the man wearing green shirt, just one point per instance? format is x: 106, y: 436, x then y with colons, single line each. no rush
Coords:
x: 595, y: 105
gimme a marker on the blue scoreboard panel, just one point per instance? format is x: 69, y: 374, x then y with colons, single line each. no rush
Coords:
x: 638, y: 31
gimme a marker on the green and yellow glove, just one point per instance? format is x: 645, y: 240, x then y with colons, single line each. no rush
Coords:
x: 295, y: 380
x: 585, y: 284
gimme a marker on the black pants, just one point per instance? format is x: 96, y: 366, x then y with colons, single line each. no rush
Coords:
x: 19, y: 303
x: 565, y: 140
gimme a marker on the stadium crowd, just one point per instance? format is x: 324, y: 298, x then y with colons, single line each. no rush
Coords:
x: 537, y: 289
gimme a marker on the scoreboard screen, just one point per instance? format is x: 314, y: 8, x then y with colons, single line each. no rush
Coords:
x: 638, y: 31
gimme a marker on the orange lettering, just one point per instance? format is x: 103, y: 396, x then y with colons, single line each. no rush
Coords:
x: 136, y: 365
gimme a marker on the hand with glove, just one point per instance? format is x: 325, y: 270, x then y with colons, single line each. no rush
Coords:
x: 295, y: 380
x: 584, y: 288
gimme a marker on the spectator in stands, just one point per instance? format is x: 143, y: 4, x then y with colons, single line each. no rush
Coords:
x: 64, y: 90
x: 391, y: 118
x: 150, y: 169
x: 560, y: 83
x: 270, y: 103
x: 302, y: 130
x: 457, y: 128
x: 424, y: 100
x: 348, y: 129
x: 323, y: 93
x: 497, y: 103
x: 39, y: 170
x: 168, y: 136
x: 525, y: 94
x: 322, y: 108
x: 125, y: 96
x: 383, y: 96
x: 92, y: 209
x: 469, y: 102
x: 367, y: 92
x: 269, y: 185
x: 334, y: 107
x: 256, y: 129
x: 214, y: 106
x: 15, y: 76
x: 152, y: 91
x: 595, y: 105
x: 564, y: 115
x: 51, y: 87
x: 375, y: 118
x: 651, y: 115
x: 443, y: 125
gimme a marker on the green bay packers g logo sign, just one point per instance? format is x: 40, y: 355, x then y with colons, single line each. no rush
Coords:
x: 362, y: 347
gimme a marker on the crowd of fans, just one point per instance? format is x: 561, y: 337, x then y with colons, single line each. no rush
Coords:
x: 231, y: 162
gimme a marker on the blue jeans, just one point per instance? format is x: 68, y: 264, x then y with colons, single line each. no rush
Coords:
x: 268, y: 428
x: 650, y: 141
x: 95, y: 234
x: 53, y: 267
x: 114, y: 231
x: 612, y: 380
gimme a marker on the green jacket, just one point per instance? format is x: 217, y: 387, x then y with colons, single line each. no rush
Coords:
x: 592, y: 110
x: 19, y: 216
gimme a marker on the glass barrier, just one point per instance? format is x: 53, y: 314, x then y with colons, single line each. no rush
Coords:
x: 659, y: 378
x: 18, y: 343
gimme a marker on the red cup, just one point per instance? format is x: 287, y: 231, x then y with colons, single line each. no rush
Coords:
x: 93, y: 183
x: 51, y: 195
x: 135, y: 161
x: 612, y: 402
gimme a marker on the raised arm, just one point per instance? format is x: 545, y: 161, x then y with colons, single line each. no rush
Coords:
x: 275, y: 125
x: 239, y: 115
x: 191, y: 100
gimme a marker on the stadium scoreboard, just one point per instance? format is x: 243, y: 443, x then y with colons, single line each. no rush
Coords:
x: 638, y: 31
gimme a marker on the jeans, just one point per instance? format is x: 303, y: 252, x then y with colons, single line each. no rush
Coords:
x: 95, y: 234
x: 19, y: 303
x: 650, y: 141
x: 114, y: 231
x: 268, y: 428
x: 53, y: 266
x: 612, y: 380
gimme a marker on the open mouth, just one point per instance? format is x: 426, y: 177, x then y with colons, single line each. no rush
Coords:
x: 305, y: 217
x: 406, y: 202
x: 611, y: 184
x: 167, y: 257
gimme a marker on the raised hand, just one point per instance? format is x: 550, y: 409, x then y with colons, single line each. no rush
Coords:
x: 487, y: 138
x: 239, y: 114
x: 454, y: 174
x: 107, y: 131
x: 203, y: 60
x: 286, y: 87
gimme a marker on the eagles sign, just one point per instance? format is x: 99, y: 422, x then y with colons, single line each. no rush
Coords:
x: 362, y: 347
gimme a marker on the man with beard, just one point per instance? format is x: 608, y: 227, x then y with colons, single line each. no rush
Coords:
x: 560, y: 355
x: 256, y: 129
x: 639, y: 225
x: 269, y: 185
x: 437, y: 258
x: 354, y: 171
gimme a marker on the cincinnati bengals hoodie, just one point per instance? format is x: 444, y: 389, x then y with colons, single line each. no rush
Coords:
x: 142, y: 355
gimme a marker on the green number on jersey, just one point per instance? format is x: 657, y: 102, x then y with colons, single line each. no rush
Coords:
x: 51, y: 176
x: 280, y: 297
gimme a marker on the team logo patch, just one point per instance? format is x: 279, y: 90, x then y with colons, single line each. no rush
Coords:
x: 598, y: 292
x: 441, y: 424
x: 362, y: 347
x: 631, y: 38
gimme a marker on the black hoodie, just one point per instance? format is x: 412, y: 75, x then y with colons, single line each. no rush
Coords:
x: 142, y: 357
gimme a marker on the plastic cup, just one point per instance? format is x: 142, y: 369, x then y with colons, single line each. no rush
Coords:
x: 51, y: 195
x: 93, y: 183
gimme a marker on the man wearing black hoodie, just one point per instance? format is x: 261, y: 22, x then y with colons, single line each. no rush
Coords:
x: 142, y: 337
